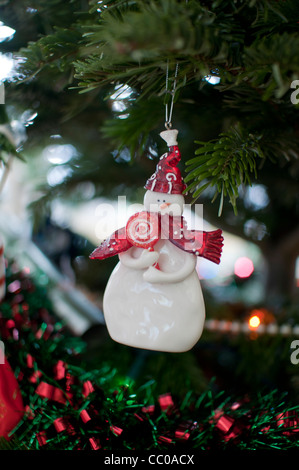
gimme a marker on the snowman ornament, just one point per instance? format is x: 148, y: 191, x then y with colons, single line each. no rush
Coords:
x: 153, y: 299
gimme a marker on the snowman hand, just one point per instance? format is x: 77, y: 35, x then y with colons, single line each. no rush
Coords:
x: 146, y: 259
x: 149, y: 257
x: 154, y: 275
x: 151, y: 275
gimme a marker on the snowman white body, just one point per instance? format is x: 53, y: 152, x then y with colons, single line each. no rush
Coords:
x: 157, y: 309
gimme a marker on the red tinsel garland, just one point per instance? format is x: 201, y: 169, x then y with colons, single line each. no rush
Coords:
x: 11, y: 402
x: 78, y: 404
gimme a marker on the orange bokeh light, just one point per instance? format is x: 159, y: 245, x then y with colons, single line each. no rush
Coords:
x: 254, y: 322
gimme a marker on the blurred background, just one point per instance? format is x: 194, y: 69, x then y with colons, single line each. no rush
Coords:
x: 67, y: 166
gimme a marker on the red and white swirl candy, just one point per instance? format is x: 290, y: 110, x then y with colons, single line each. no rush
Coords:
x: 142, y: 229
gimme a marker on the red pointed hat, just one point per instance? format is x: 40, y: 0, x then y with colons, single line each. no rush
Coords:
x: 167, y: 177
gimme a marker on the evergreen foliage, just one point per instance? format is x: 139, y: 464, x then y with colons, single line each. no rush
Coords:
x: 94, y: 73
x: 252, y: 47
x: 78, y: 55
x: 226, y: 164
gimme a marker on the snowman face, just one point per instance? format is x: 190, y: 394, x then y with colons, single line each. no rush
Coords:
x: 172, y: 204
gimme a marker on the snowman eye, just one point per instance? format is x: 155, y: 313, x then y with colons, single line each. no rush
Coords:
x: 158, y: 200
x: 164, y: 200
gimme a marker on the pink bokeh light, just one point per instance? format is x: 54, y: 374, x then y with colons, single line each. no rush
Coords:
x: 243, y: 267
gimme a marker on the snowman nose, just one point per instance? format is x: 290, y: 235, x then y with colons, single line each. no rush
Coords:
x: 164, y: 205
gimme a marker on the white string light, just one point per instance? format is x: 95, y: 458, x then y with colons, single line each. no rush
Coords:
x: 226, y: 326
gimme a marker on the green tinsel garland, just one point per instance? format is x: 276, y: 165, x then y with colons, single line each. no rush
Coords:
x: 69, y: 407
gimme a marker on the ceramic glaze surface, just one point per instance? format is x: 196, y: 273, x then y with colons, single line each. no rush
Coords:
x: 153, y: 299
x: 158, y: 309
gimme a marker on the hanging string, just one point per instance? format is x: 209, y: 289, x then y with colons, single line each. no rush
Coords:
x: 168, y: 111
x: 168, y: 117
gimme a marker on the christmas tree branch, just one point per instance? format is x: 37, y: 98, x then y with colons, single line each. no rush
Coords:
x: 250, y: 47
x: 224, y: 164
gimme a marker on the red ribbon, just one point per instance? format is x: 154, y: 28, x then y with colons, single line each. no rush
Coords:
x: 182, y: 434
x: 288, y: 420
x: 184, y: 429
x: 85, y: 416
x: 227, y: 426
x: 224, y: 423
x: 70, y: 380
x: 87, y: 388
x: 61, y: 424
x: 94, y: 443
x: 116, y: 430
x: 35, y: 376
x: 29, y: 412
x: 30, y: 361
x: 140, y: 418
x: 50, y: 392
x: 42, y: 438
x: 148, y: 409
x: 165, y: 401
x: 59, y: 370
x: 164, y: 439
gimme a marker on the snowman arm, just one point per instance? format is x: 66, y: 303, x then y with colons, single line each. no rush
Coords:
x: 146, y: 259
x: 115, y: 244
x: 155, y: 276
